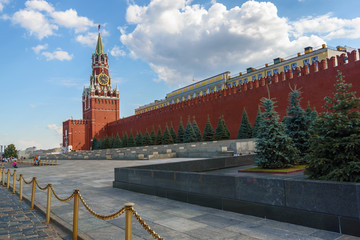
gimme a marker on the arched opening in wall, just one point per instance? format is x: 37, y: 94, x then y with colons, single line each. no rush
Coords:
x: 96, y: 92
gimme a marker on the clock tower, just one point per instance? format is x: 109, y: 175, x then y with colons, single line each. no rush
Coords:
x: 100, y: 101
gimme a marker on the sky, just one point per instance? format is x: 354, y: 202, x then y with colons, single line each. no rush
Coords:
x: 154, y: 47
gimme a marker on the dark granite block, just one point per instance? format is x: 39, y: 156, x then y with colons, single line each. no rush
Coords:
x: 260, y: 190
x: 350, y: 226
x: 176, y: 195
x: 121, y: 174
x: 213, y: 185
x: 203, y: 200
x: 336, y: 198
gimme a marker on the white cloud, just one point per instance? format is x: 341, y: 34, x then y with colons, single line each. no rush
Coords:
x: 41, y: 19
x: 39, y: 5
x: 70, y: 19
x: 32, y: 105
x: 3, y: 3
x: 35, y: 22
x: 116, y: 51
x: 39, y: 48
x: 58, y: 55
x: 328, y: 27
x: 88, y: 39
x: 58, y: 129
x: 180, y: 40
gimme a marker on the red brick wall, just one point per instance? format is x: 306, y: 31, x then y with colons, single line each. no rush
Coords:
x: 314, y: 83
x: 78, y: 134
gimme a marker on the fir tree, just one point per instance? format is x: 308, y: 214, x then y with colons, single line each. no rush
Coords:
x: 311, y: 116
x: 197, y: 131
x: 189, y: 135
x: 167, y: 138
x: 147, y: 139
x: 153, y: 136
x: 297, y: 124
x: 273, y: 147
x: 106, y: 143
x: 221, y: 132
x: 158, y: 139
x: 131, y: 140
x: 95, y: 144
x: 116, y: 142
x: 334, y: 152
x: 180, y: 133
x: 173, y: 133
x: 245, y: 130
x: 208, y: 134
x: 100, y: 144
x: 125, y: 140
x: 256, y: 124
x: 139, y: 140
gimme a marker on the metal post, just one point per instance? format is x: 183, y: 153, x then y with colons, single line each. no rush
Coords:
x: 3, y: 176
x: 76, y: 213
x: 56, y: 162
x: 1, y: 173
x: 14, y: 181
x: 33, y: 193
x: 21, y: 187
x: 48, y: 204
x: 8, y: 179
x: 128, y: 220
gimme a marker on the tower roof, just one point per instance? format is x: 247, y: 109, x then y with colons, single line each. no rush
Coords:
x: 99, y: 46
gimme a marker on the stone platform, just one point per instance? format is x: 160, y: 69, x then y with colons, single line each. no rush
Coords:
x: 171, y: 219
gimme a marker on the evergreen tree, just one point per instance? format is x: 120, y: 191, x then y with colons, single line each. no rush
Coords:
x: 147, y: 139
x: 100, y: 144
x: 116, y: 142
x: 158, y: 139
x: 153, y: 136
x: 311, y: 116
x: 334, y: 151
x: 227, y: 132
x: 208, y: 134
x: 180, y: 133
x: 139, y: 140
x: 125, y: 140
x: 245, y: 130
x: 297, y: 124
x: 197, y: 131
x: 173, y: 133
x: 95, y: 144
x: 10, y: 151
x: 221, y: 132
x: 273, y: 147
x: 256, y: 124
x: 189, y: 135
x: 106, y: 143
x: 131, y: 140
x: 167, y: 138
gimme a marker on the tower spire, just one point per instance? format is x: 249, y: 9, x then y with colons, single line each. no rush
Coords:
x: 99, y: 46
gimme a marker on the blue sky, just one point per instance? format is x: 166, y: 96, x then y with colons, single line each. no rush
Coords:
x: 154, y: 47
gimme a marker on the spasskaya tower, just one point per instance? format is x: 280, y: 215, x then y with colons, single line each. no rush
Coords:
x: 100, y: 103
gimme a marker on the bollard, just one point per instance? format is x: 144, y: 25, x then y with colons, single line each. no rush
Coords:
x: 128, y: 220
x: 56, y: 162
x: 1, y: 173
x: 14, y: 181
x: 33, y: 193
x: 8, y: 179
x: 76, y: 213
x: 3, y: 176
x: 48, y: 204
x: 21, y: 187
x: 21, y: 163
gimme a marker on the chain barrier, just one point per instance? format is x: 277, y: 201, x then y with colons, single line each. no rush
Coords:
x: 128, y: 209
x: 61, y: 199
x: 146, y: 226
x: 102, y: 217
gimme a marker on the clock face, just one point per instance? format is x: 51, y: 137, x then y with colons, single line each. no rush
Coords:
x: 103, y: 79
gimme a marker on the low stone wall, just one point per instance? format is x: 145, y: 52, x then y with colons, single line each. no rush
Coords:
x: 211, y: 149
x: 325, y: 205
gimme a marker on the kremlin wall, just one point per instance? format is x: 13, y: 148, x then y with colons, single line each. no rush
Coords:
x: 101, y: 102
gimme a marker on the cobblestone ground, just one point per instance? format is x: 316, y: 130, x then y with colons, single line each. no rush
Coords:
x: 18, y: 221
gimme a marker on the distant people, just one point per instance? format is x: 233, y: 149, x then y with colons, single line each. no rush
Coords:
x: 36, y: 161
x: 14, y: 164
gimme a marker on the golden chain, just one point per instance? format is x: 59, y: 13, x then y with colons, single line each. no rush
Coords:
x: 43, y: 189
x: 102, y: 217
x: 18, y: 179
x: 60, y: 199
x: 28, y: 182
x: 146, y: 226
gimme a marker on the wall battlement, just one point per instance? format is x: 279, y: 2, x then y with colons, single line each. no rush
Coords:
x: 315, y: 81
